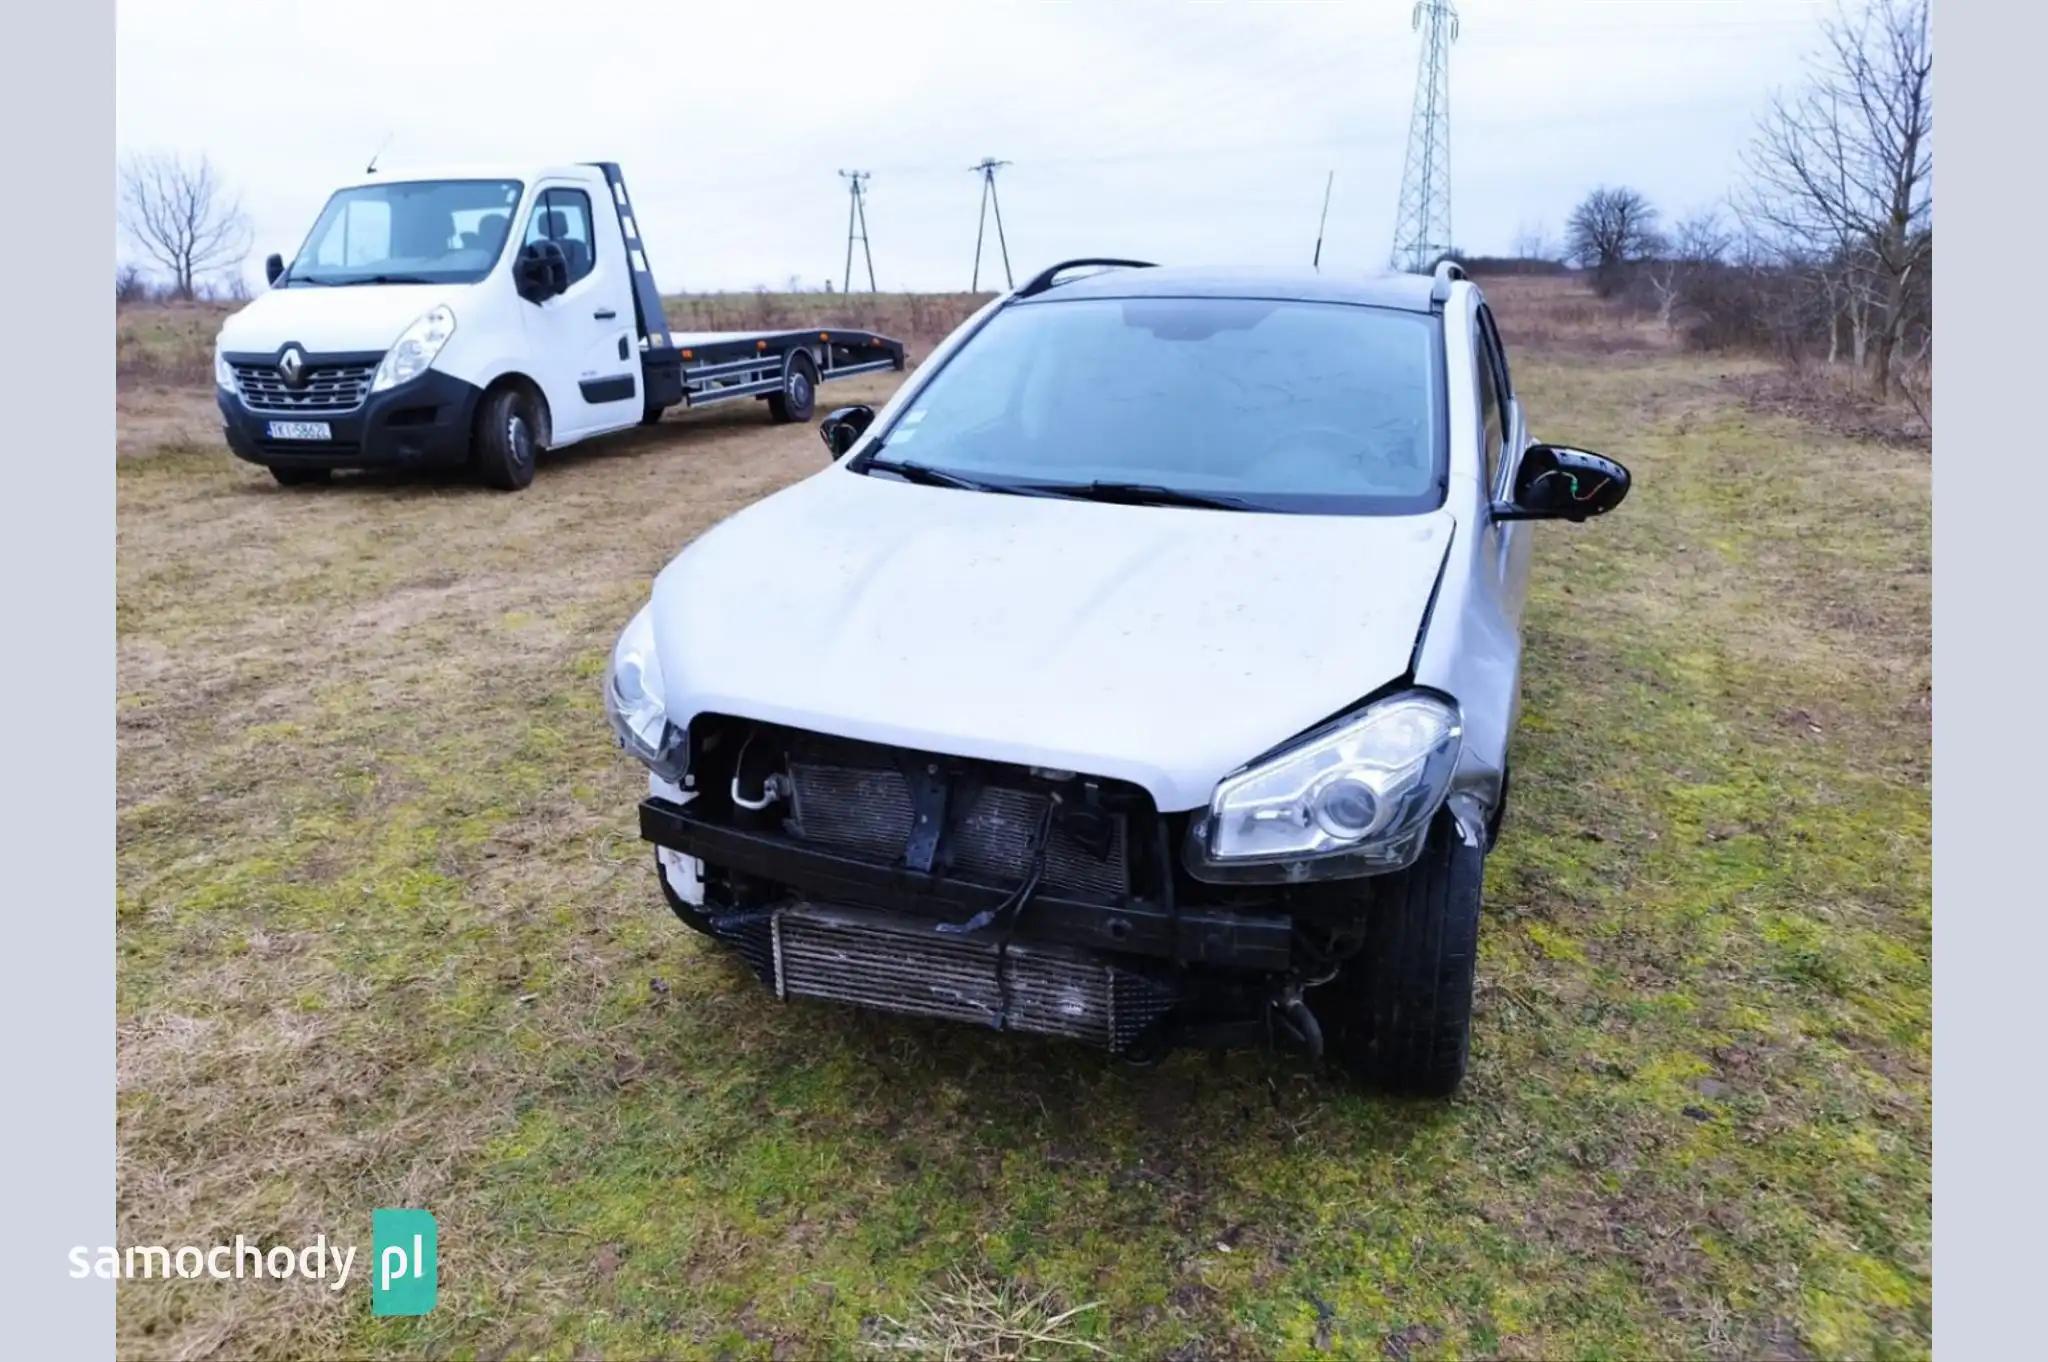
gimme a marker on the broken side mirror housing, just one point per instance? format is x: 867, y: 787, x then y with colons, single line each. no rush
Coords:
x: 1557, y: 482
x: 840, y: 429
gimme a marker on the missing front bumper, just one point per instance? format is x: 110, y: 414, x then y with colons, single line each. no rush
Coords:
x: 1129, y: 925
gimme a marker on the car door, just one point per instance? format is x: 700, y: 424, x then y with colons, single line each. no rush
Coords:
x: 1504, y: 432
x: 581, y: 340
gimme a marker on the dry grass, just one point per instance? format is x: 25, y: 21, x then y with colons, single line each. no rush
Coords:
x: 973, y: 1319
x: 387, y: 936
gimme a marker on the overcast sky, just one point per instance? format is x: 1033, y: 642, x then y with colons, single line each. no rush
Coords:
x: 1177, y: 132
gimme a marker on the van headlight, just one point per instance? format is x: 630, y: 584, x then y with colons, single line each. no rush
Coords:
x: 1354, y: 797
x: 223, y: 372
x: 634, y: 704
x: 414, y: 350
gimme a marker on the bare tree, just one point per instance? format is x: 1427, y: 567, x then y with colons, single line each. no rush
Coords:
x: 1698, y: 245
x: 1844, y: 174
x: 129, y: 284
x: 1610, y: 229
x: 1532, y: 242
x: 182, y: 217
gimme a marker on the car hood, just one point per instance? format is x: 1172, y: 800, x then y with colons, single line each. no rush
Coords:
x: 1165, y: 646
x: 342, y: 319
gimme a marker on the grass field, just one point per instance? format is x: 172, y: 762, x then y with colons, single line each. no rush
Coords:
x: 387, y: 937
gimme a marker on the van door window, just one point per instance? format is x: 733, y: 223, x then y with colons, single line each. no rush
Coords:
x: 563, y: 217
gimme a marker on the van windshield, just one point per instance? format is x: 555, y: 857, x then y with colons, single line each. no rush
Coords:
x: 1241, y: 403
x: 408, y: 232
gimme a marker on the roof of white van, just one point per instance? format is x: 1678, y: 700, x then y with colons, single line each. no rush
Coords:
x: 484, y: 170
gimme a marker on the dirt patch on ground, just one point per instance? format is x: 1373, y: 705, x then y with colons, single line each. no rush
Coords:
x: 1831, y: 403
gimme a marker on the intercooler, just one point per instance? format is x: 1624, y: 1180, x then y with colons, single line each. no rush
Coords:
x: 876, y: 960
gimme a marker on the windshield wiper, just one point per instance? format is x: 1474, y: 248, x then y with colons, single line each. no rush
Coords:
x: 381, y: 279
x: 1142, y: 494
x: 932, y: 477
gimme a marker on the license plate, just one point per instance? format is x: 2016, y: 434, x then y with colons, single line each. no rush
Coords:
x: 300, y: 430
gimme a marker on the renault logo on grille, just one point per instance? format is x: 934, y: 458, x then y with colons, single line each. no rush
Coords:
x: 292, y: 366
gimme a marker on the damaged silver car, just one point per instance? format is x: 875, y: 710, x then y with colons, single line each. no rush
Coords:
x: 1142, y: 673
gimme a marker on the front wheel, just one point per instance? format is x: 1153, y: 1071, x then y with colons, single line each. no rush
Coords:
x: 1399, y: 1014
x: 799, y: 393
x: 507, y: 440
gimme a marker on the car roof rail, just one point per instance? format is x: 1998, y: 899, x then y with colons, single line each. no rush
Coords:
x: 1447, y: 271
x: 1047, y: 277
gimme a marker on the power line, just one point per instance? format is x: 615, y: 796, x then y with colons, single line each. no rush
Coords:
x: 857, y: 213
x: 988, y: 166
x: 1422, y: 218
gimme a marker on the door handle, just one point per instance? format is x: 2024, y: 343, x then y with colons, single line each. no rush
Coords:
x: 604, y: 314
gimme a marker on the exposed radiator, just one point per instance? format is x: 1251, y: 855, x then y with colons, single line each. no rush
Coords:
x: 879, y: 961
x: 869, y: 811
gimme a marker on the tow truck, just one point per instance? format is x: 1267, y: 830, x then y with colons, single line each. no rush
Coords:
x: 478, y: 316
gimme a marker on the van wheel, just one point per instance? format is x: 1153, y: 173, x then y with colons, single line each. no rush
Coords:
x: 299, y: 477
x: 799, y: 390
x: 507, y: 439
x: 1399, y: 1014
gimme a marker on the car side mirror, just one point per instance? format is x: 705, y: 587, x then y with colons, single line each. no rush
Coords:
x: 1556, y: 482
x: 841, y: 428
x: 273, y: 267
x: 540, y: 272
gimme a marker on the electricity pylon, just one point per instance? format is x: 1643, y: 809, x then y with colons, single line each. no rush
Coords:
x: 857, y: 213
x: 988, y: 166
x: 1422, y: 221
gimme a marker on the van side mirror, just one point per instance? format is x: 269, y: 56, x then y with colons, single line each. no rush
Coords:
x: 841, y: 428
x: 273, y: 267
x: 1556, y: 482
x: 540, y: 272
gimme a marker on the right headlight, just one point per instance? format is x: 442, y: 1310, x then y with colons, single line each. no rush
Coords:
x: 414, y: 350
x: 223, y: 372
x: 1353, y: 797
x: 633, y: 701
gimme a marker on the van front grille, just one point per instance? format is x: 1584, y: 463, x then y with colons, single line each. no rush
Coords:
x: 323, y: 388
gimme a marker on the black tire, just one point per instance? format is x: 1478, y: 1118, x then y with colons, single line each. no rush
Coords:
x: 799, y: 395
x: 300, y: 477
x: 650, y: 415
x: 1399, y: 1015
x: 507, y: 439
x: 692, y: 917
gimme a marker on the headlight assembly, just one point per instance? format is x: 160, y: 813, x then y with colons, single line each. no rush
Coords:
x: 415, y: 349
x: 634, y: 704
x: 223, y: 372
x: 1353, y: 797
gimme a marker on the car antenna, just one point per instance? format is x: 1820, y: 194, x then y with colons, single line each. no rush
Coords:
x: 1317, y: 263
x: 371, y: 168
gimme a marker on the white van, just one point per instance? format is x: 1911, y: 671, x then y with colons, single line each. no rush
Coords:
x: 479, y: 316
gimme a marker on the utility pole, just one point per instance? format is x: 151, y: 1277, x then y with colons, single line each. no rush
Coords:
x: 857, y: 216
x: 1317, y: 262
x: 988, y: 167
x: 1422, y: 219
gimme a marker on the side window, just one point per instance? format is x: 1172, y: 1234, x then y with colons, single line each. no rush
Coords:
x: 563, y: 217
x: 1492, y: 420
